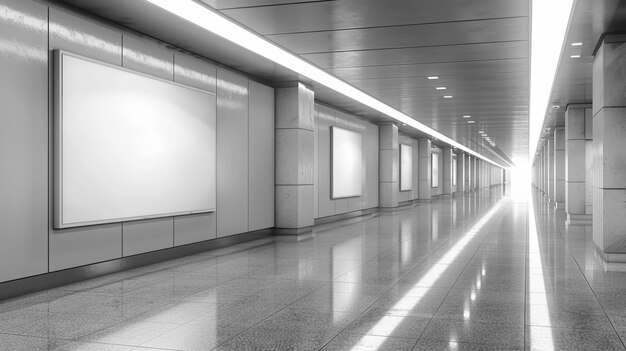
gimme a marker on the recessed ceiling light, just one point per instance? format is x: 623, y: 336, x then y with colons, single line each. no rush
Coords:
x: 556, y: 107
x: 471, y: 122
x: 404, y: 124
x: 575, y: 56
x: 481, y: 131
x: 448, y: 96
x: 467, y: 116
x: 577, y: 44
x: 433, y: 77
x: 441, y: 88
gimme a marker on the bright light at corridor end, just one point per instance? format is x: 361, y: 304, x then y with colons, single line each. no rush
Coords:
x: 212, y: 21
x: 549, y: 25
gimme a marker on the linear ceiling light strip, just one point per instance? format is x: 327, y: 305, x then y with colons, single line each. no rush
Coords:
x: 214, y: 22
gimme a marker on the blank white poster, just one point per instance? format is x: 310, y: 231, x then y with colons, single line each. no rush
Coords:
x: 129, y: 146
x: 454, y: 170
x: 346, y: 155
x: 435, y: 170
x: 406, y: 167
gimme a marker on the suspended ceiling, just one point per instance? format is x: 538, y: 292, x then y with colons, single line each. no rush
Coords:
x: 479, y: 49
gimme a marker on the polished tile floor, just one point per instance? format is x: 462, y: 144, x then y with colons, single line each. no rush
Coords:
x: 486, y: 271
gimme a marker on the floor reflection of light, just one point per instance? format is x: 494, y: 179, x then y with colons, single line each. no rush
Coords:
x: 537, y: 283
x: 351, y: 250
x: 413, y: 297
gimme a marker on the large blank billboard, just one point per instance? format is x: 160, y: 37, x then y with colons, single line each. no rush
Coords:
x: 346, y: 155
x: 129, y: 146
x: 406, y: 167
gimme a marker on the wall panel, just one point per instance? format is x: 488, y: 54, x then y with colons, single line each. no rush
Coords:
x: 261, y: 157
x: 199, y: 73
x: 24, y: 141
x: 148, y: 235
x: 232, y: 153
x: 80, y: 246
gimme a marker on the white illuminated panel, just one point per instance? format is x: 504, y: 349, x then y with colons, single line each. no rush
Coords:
x: 129, y: 146
x: 346, y: 161
x: 454, y: 169
x: 406, y: 167
x: 434, y: 170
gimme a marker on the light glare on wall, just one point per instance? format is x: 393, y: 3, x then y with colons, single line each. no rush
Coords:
x: 217, y: 24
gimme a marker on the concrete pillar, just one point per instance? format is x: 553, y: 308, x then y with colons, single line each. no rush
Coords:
x: 588, y: 162
x: 294, y: 159
x: 550, y: 167
x: 461, y: 161
x: 609, y: 143
x: 424, y: 169
x: 447, y: 171
x: 476, y: 173
x: 468, y: 174
x: 559, y: 167
x: 388, y: 153
x: 575, y: 182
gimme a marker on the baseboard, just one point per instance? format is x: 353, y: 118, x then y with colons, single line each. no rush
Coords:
x: 611, y: 257
x: 55, y: 279
x: 343, y: 216
x: 574, y: 219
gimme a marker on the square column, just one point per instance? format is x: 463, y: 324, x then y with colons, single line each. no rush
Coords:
x: 447, y: 171
x: 294, y: 159
x: 424, y: 169
x: 575, y: 179
x: 559, y: 167
x: 388, y: 153
x: 549, y: 164
x: 609, y: 143
x: 468, y: 174
x: 461, y: 161
x: 476, y: 173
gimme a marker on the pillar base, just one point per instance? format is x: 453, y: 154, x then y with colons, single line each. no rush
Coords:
x: 611, y: 257
x: 576, y: 219
x: 293, y: 234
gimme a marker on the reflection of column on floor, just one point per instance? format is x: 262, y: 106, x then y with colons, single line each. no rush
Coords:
x: 609, y: 143
x: 575, y: 163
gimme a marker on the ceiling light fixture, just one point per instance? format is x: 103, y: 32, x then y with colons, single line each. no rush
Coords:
x: 467, y: 116
x: 433, y: 77
x: 575, y: 56
x: 481, y: 131
x: 549, y: 25
x: 448, y: 96
x: 471, y: 122
x: 441, y: 88
x: 577, y: 44
x: 205, y: 17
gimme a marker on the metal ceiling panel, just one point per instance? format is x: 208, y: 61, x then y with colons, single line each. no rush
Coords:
x: 348, y: 14
x: 439, y: 34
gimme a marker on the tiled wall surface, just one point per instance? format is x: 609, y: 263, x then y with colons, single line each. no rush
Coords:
x: 245, y: 143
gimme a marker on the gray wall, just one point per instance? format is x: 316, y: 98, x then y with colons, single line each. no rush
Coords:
x: 324, y: 206
x: 245, y: 144
x: 413, y: 194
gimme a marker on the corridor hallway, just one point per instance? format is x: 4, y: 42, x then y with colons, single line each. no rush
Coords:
x: 459, y: 273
